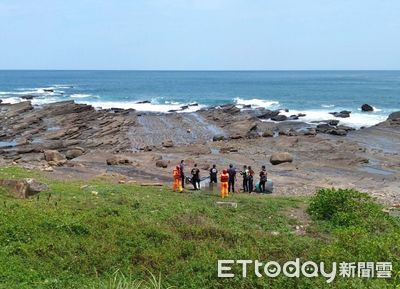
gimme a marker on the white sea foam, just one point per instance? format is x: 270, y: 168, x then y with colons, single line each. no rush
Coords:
x: 356, y: 119
x: 328, y: 105
x: 80, y: 95
x: 150, y: 107
x: 255, y: 102
x: 11, y: 100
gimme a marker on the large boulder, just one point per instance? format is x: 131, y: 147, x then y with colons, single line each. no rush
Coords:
x: 168, y: 143
x: 394, y: 115
x: 367, y: 107
x: 74, y: 153
x: 333, y: 122
x: 23, y: 188
x: 162, y: 164
x: 268, y: 133
x: 323, y: 128
x: 117, y: 160
x: 269, y: 114
x: 54, y: 157
x: 279, y: 158
x: 280, y: 117
x: 241, y: 128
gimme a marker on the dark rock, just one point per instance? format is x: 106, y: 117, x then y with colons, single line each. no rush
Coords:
x: 323, y: 128
x: 247, y: 106
x: 301, y: 115
x: 48, y: 90
x: 394, y: 115
x: 340, y: 132
x: 27, y: 97
x: 116, y: 109
x: 162, y: 164
x: 279, y: 158
x: 333, y: 122
x: 184, y: 107
x: 342, y: 114
x: 193, y: 104
x: 346, y: 128
x: 230, y: 109
x: 236, y: 136
x: 173, y: 110
x: 294, y: 117
x: 367, y: 107
x: 269, y: 114
x: 143, y: 102
x: 218, y: 138
x: 279, y: 118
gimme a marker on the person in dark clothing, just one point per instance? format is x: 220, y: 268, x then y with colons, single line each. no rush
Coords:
x: 244, y: 174
x: 250, y: 179
x: 232, y: 178
x: 214, y: 174
x: 263, y: 179
x: 181, y: 167
x: 196, y: 177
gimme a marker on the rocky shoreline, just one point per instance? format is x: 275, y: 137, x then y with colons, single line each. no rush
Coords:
x: 76, y: 140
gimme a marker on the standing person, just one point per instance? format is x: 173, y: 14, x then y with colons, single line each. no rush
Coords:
x: 196, y: 177
x: 250, y: 179
x: 213, y: 177
x: 232, y: 178
x: 224, y: 184
x: 214, y: 174
x: 244, y: 174
x: 182, y: 166
x: 263, y: 179
x: 177, y: 179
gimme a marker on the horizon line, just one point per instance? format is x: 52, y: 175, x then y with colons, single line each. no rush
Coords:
x: 203, y: 70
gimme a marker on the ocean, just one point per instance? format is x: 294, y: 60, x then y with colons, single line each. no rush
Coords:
x: 315, y: 93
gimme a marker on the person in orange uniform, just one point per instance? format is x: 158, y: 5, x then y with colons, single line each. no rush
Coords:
x: 177, y: 179
x: 224, y: 183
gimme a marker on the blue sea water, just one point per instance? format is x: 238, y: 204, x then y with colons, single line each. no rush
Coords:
x: 315, y: 93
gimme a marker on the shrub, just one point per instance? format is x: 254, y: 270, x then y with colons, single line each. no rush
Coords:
x: 346, y: 208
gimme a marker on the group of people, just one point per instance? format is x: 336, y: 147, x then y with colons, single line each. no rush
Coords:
x: 227, y: 178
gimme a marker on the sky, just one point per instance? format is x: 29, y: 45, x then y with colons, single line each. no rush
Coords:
x: 200, y: 34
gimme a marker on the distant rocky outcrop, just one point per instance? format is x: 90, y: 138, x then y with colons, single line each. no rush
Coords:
x: 342, y: 114
x: 366, y: 107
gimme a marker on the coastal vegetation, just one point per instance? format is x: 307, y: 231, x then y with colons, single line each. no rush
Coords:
x: 107, y: 234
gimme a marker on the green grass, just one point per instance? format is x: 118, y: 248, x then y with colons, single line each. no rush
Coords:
x: 70, y: 238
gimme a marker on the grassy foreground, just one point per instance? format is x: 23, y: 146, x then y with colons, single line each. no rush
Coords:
x: 71, y: 237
